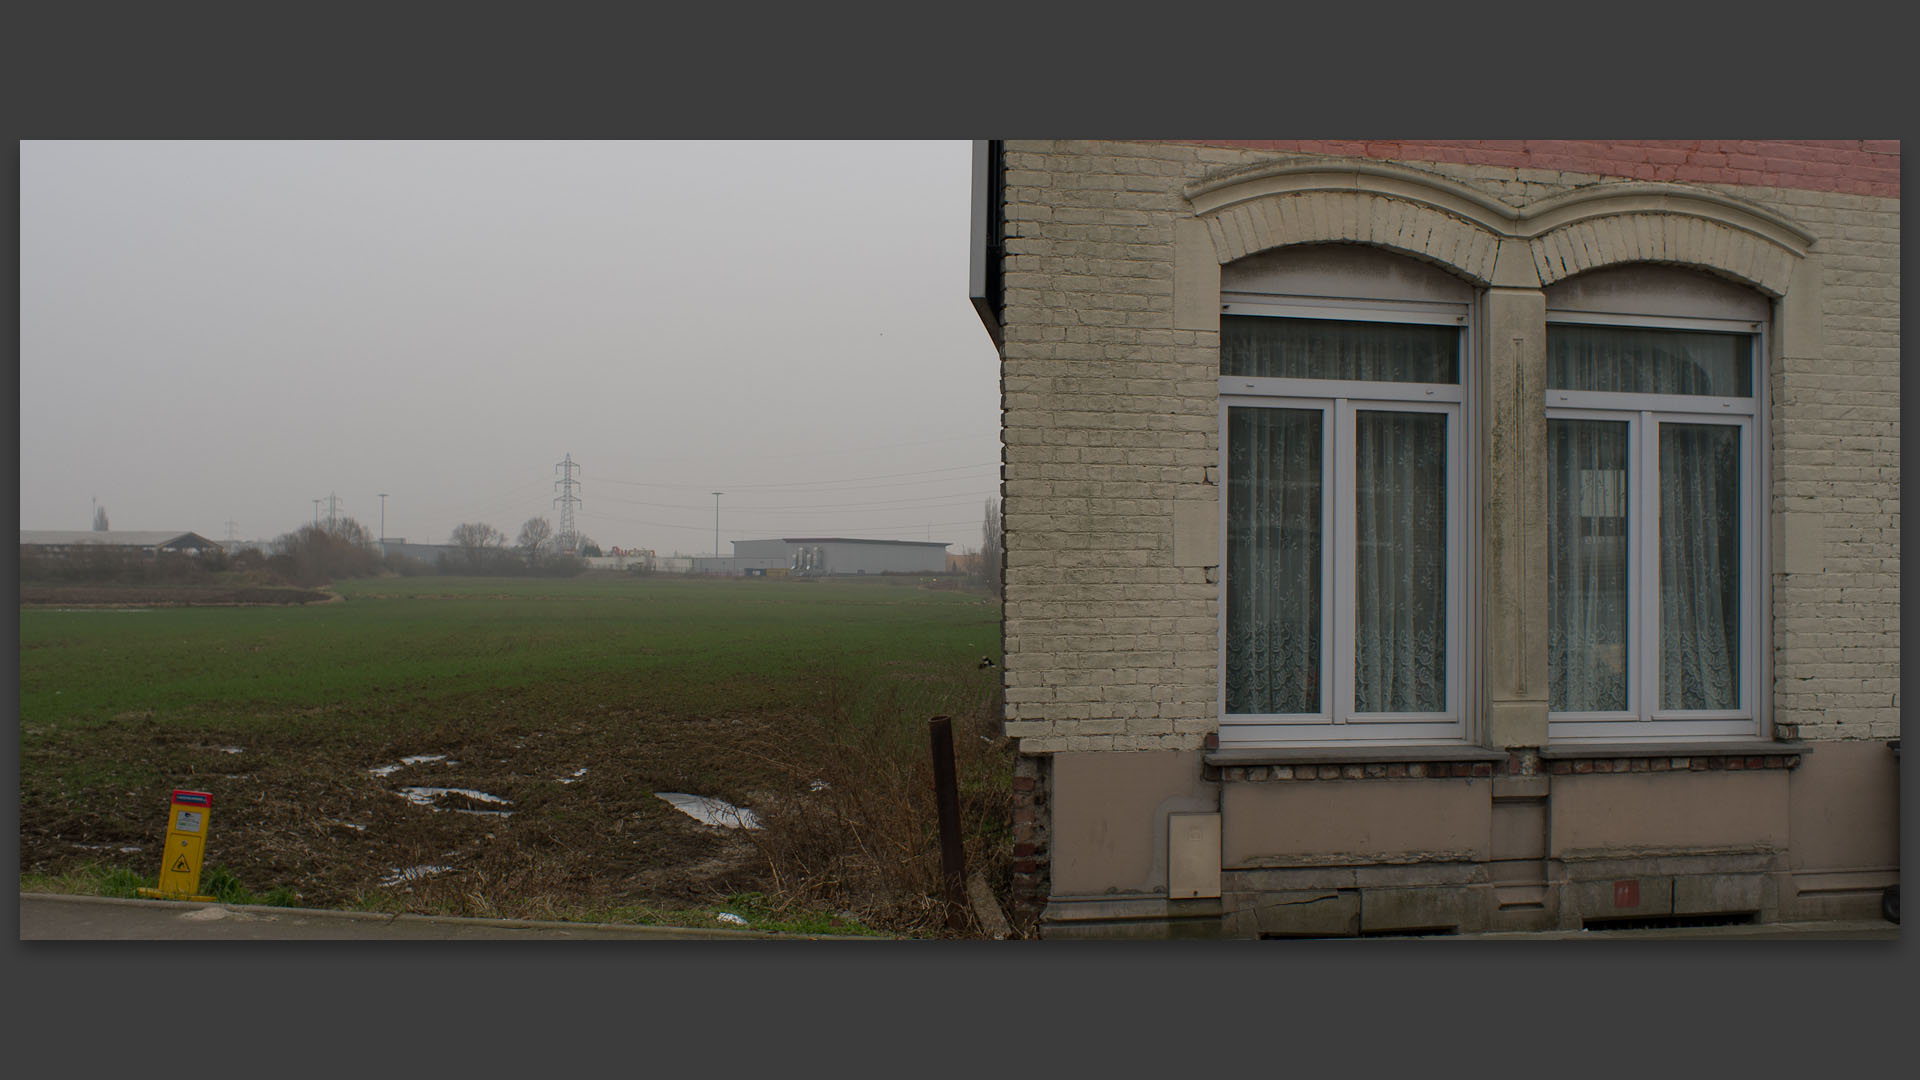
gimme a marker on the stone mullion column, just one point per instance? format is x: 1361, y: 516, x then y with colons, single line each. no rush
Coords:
x: 1513, y: 495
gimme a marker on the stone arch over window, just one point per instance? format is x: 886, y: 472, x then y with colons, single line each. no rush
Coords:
x: 1479, y: 238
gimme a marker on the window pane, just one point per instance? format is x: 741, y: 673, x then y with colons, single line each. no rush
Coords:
x: 1699, y: 566
x: 1274, y: 521
x: 1631, y: 360
x: 1400, y: 571
x: 1259, y: 347
x: 1587, y: 537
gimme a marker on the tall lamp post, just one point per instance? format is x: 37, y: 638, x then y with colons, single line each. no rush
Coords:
x: 716, y: 523
x: 383, y: 524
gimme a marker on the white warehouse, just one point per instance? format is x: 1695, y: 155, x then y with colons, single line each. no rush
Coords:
x: 822, y: 555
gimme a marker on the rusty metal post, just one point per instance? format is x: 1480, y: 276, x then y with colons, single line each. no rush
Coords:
x: 946, y: 790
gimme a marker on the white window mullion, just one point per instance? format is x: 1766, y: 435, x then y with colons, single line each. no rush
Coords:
x: 1338, y: 649
x: 1647, y: 536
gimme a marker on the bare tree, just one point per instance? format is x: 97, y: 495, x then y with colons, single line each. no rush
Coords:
x: 350, y: 531
x: 992, y: 550
x: 479, y: 544
x: 536, y: 535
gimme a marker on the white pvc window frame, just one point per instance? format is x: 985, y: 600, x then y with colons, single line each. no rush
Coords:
x: 1338, y: 401
x: 1644, y: 415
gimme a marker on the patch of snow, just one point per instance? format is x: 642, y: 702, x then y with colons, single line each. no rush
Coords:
x: 710, y: 811
x: 232, y: 750
x: 577, y: 774
x: 817, y: 785
x: 731, y: 919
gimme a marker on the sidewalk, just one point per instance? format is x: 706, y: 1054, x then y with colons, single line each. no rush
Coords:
x: 51, y: 917
x: 1852, y: 930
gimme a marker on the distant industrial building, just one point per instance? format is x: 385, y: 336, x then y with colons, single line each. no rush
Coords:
x: 820, y: 556
x: 62, y: 541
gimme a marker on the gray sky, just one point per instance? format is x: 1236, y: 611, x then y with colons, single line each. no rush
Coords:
x: 215, y: 332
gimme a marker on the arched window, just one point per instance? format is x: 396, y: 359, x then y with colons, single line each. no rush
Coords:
x: 1344, y: 461
x: 1655, y: 395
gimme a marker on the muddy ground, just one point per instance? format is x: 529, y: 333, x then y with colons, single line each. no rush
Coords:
x: 318, y: 804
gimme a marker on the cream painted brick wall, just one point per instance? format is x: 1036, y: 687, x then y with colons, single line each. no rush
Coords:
x: 1112, y: 417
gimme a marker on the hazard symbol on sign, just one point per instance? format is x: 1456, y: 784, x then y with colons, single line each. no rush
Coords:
x: 180, y: 866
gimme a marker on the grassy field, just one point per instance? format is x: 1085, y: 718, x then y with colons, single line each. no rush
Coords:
x: 574, y: 699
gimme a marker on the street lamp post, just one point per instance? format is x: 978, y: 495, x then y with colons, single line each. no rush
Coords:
x: 383, y: 524
x: 716, y: 523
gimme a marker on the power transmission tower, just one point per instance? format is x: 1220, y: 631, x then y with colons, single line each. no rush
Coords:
x: 333, y: 507
x: 230, y: 527
x: 569, y: 539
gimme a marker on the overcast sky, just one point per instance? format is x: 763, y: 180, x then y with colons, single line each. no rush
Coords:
x: 215, y: 333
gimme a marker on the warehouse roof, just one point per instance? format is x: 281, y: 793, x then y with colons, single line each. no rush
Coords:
x: 849, y: 540
x: 112, y: 538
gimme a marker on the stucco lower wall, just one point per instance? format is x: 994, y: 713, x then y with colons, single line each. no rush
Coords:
x: 1377, y: 820
x: 1660, y: 812
x: 1844, y: 824
x: 1110, y: 818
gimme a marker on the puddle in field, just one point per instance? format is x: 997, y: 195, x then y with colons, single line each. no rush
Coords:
x: 427, y: 796
x: 413, y: 759
x: 710, y: 811
x: 577, y: 774
x: 402, y: 875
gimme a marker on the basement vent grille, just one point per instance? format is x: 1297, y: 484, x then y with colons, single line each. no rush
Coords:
x: 1672, y: 922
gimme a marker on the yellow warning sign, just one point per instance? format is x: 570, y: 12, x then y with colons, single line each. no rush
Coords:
x: 188, y: 817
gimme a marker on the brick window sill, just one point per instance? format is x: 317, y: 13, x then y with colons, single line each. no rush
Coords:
x: 1354, y: 763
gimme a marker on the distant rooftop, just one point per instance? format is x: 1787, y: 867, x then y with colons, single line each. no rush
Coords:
x: 851, y: 540
x: 112, y: 538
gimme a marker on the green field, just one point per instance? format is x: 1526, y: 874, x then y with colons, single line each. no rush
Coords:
x: 420, y: 645
x: 643, y: 684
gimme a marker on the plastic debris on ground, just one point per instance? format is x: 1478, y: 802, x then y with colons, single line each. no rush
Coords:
x: 710, y: 811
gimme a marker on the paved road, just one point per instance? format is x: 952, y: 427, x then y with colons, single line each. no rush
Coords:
x: 47, y: 917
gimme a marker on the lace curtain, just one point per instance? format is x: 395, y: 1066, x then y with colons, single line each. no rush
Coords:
x: 1259, y: 347
x: 1699, y: 566
x: 1698, y: 556
x: 1400, y: 562
x: 1274, y: 529
x: 1275, y: 532
x: 1587, y: 538
x: 1633, y: 360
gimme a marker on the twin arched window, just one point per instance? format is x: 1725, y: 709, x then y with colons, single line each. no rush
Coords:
x: 1349, y: 518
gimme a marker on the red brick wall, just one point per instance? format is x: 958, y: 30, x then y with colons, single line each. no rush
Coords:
x: 1852, y: 166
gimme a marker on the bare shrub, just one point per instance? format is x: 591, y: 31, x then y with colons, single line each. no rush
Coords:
x: 858, y: 827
